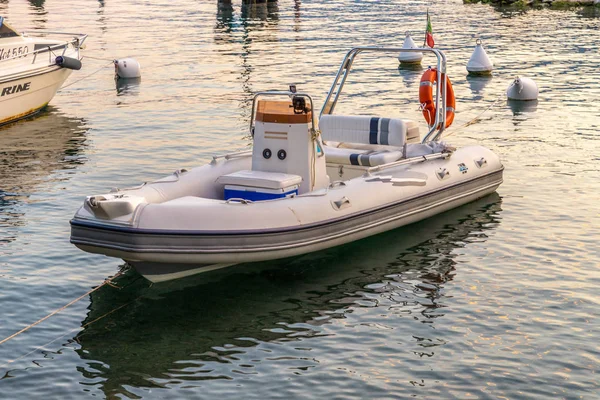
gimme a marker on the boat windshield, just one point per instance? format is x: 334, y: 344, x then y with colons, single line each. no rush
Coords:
x: 6, y: 30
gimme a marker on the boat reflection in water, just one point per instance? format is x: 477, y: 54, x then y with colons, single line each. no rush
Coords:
x: 30, y: 151
x: 191, y: 329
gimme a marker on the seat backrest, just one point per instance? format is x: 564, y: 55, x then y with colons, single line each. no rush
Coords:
x: 366, y: 129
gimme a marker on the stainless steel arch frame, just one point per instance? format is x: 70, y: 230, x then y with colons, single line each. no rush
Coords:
x: 438, y: 126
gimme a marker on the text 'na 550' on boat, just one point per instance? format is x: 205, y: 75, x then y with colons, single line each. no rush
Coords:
x: 33, y: 67
x: 300, y: 189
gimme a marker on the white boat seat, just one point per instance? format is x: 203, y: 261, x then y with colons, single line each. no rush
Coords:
x: 366, y: 158
x: 368, y: 130
x: 260, y: 179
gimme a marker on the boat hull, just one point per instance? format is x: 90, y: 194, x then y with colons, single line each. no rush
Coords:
x: 260, y: 231
x: 29, y: 93
x: 162, y: 272
x: 172, y: 260
x: 235, y: 247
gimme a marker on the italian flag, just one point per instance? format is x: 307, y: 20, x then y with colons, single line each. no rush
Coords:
x: 429, y: 33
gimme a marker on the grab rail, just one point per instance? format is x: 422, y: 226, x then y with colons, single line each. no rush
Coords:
x: 412, y: 160
x: 229, y: 156
x: 336, y: 88
x: 44, y: 32
x: 280, y: 93
x: 76, y: 42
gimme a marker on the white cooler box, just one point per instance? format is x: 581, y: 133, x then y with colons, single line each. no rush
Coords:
x: 259, y: 185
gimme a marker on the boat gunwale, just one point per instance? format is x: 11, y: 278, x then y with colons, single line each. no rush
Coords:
x: 84, y: 223
x: 32, y: 73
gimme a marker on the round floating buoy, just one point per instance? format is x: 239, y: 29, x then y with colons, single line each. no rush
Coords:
x: 522, y: 89
x: 409, y: 57
x: 68, y: 62
x: 127, y: 68
x: 480, y: 63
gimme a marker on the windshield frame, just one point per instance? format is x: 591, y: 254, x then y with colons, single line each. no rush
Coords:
x: 6, y: 30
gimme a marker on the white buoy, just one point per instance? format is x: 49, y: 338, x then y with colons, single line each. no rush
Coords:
x: 522, y: 89
x: 480, y: 63
x: 411, y: 57
x: 127, y: 68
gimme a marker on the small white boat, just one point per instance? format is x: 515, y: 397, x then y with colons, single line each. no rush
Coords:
x: 300, y: 189
x: 33, y: 68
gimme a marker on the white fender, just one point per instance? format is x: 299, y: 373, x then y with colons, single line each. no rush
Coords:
x: 522, y: 88
x: 127, y: 68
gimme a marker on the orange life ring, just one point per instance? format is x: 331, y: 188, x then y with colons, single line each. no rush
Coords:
x: 426, y: 97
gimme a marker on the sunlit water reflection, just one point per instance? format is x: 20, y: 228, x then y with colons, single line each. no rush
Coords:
x: 494, y: 299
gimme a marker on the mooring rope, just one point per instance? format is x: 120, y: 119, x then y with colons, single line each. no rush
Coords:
x: 100, y: 58
x: 71, y: 331
x: 473, y: 120
x: 87, y: 76
x: 106, y: 282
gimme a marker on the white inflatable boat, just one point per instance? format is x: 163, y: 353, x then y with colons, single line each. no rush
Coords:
x: 300, y: 189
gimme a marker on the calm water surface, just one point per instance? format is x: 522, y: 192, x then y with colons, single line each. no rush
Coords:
x: 496, y: 299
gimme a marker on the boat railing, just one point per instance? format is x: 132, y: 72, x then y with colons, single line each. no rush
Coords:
x: 405, y: 161
x: 230, y: 156
x: 439, y: 124
x: 42, y: 32
x: 76, y: 41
